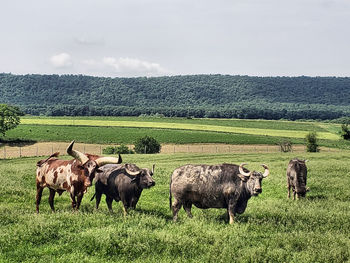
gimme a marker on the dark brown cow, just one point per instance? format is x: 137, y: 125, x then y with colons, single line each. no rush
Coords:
x: 73, y: 176
x: 123, y: 182
x: 296, y: 178
x: 214, y: 186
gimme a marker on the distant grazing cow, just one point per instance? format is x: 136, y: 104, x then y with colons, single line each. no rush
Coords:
x: 122, y: 182
x: 73, y: 176
x: 214, y: 186
x: 296, y: 178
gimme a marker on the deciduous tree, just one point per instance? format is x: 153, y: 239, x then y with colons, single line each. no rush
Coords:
x: 9, y: 117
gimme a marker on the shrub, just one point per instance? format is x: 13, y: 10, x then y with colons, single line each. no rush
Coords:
x: 311, y: 142
x: 345, y: 132
x: 122, y: 149
x: 108, y: 150
x: 147, y: 144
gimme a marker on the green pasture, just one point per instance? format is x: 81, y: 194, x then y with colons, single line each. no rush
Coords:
x: 276, y: 129
x: 118, y: 135
x: 245, y: 123
x: 272, y: 229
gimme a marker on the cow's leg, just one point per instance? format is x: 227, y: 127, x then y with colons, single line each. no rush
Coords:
x: 51, y: 198
x: 288, y: 187
x: 231, y: 215
x: 133, y: 202
x: 98, y: 199
x: 231, y: 208
x: 125, y: 209
x: 74, y: 203
x: 109, y: 201
x: 176, y: 206
x: 294, y: 193
x: 187, y: 207
x: 79, y: 198
x: 39, y: 192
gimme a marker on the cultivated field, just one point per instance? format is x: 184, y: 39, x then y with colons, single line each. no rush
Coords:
x: 197, y: 124
x: 117, y: 130
x: 273, y: 229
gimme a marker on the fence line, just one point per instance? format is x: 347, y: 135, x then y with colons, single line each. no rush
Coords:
x: 46, y: 149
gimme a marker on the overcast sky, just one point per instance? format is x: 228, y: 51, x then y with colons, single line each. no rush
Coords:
x: 126, y: 38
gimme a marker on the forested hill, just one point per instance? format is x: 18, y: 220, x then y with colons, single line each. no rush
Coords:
x: 196, y: 95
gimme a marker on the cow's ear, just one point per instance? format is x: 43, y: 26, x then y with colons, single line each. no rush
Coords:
x: 98, y: 170
x: 243, y: 178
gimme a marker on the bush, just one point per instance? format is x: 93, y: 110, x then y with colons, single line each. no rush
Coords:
x: 147, y: 144
x: 345, y: 132
x: 311, y: 142
x: 108, y: 150
x: 122, y: 149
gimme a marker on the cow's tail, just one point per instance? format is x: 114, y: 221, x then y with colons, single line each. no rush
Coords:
x: 92, y: 198
x: 41, y: 162
x: 170, y: 197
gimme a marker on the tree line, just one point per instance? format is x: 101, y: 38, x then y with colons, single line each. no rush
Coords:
x: 213, y: 96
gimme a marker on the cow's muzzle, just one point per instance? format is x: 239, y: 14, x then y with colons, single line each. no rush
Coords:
x: 257, y: 191
x: 151, y: 184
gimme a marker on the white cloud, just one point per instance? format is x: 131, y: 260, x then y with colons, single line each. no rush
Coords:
x: 62, y: 60
x: 134, y: 67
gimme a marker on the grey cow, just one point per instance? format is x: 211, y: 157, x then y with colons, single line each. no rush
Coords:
x: 122, y: 182
x: 214, y: 186
x: 296, y: 178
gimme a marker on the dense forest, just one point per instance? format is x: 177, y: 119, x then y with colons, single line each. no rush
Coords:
x: 221, y: 96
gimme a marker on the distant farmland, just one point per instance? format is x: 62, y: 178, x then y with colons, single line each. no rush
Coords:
x: 283, y: 129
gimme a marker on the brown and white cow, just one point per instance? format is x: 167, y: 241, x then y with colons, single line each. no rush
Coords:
x: 73, y: 176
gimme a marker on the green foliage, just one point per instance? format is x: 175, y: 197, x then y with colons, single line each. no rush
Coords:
x: 9, y: 118
x: 121, y: 149
x: 212, y: 96
x: 342, y: 120
x: 272, y: 229
x: 311, y: 142
x: 108, y: 150
x: 345, y: 132
x: 147, y: 144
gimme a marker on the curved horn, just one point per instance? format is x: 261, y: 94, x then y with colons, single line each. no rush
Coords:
x: 108, y: 160
x: 76, y: 154
x: 132, y: 173
x: 153, y: 168
x: 267, y: 172
x: 243, y: 172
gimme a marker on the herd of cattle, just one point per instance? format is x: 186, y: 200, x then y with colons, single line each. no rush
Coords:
x: 227, y: 186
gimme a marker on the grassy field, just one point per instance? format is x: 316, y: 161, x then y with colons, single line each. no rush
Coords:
x: 276, y: 129
x: 107, y: 130
x: 273, y: 229
x: 105, y: 135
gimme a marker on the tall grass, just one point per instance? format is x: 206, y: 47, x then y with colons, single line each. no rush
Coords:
x: 273, y: 229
